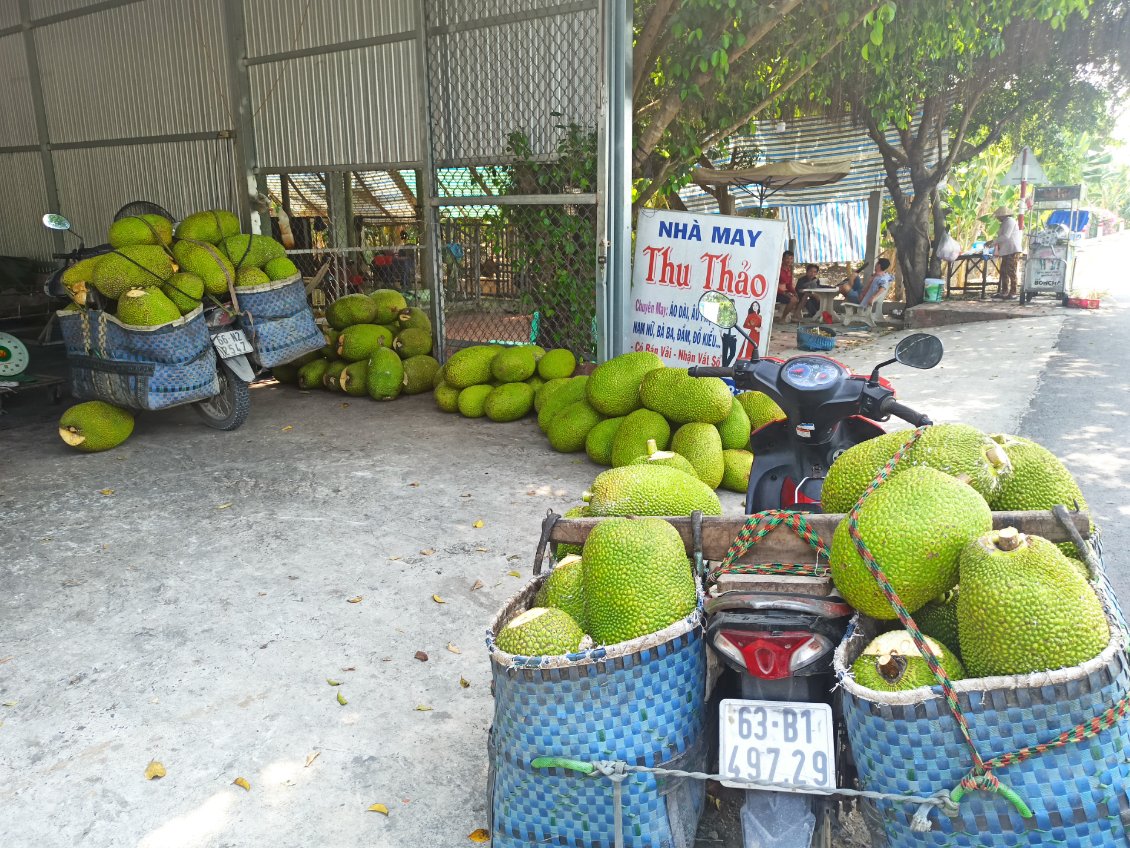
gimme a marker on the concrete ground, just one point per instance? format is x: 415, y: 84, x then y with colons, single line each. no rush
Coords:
x: 185, y: 597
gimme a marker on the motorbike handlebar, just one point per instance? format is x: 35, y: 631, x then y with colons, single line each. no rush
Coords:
x: 708, y: 371
x: 893, y: 407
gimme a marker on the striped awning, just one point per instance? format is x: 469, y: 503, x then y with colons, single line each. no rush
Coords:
x: 828, y: 232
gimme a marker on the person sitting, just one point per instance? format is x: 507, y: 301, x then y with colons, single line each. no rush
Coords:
x: 878, y: 285
x: 811, y: 279
x: 852, y: 289
x: 786, y: 290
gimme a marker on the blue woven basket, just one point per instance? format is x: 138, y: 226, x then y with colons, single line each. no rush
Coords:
x: 908, y: 742
x: 642, y: 702
x: 139, y: 367
x: 278, y: 321
x: 808, y: 340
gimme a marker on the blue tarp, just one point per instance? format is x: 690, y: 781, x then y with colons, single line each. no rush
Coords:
x: 1076, y: 221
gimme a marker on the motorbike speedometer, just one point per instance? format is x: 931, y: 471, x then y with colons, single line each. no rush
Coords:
x: 809, y: 373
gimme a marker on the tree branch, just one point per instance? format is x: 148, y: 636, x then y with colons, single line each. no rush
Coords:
x: 888, y: 150
x: 648, y: 44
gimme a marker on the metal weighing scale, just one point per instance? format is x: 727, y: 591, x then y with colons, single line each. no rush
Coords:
x: 14, y: 361
x: 1050, y: 266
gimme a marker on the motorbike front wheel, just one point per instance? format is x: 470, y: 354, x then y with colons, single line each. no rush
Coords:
x: 228, y: 409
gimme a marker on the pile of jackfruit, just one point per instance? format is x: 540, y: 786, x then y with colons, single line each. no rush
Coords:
x: 155, y: 273
x: 500, y: 383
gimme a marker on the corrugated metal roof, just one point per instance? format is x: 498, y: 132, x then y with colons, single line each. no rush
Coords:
x: 276, y: 26
x: 21, y: 233
x: 16, y: 105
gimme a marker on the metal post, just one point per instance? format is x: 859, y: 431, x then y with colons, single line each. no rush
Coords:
x: 239, y: 97
x: 35, y: 82
x: 425, y: 191
x: 874, y: 228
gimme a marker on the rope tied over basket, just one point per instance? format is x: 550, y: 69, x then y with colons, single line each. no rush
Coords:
x: 757, y: 526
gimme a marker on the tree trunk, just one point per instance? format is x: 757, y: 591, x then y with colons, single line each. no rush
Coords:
x: 911, y: 234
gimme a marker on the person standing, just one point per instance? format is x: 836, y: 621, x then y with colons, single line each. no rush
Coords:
x: 1007, y: 246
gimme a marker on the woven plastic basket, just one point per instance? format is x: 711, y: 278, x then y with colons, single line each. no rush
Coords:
x: 278, y: 321
x: 909, y: 743
x: 641, y: 701
x: 808, y: 339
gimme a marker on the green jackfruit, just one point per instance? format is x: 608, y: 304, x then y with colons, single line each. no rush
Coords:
x: 390, y: 303
x: 509, y: 402
x: 470, y: 366
x: 535, y: 382
x: 655, y: 456
x: 639, y: 428
x: 280, y: 269
x: 1025, y: 607
x: 915, y: 524
x: 349, y: 310
x: 447, y: 397
x: 540, y: 632
x: 614, y: 386
x: 333, y: 372
x: 310, y: 375
x: 570, y: 426
x: 412, y: 342
x: 961, y: 450
x: 418, y: 373
x: 853, y: 470
x: 513, y: 364
x: 95, y: 426
x: 938, y: 619
x: 385, y: 377
x: 637, y: 578
x: 564, y: 589
x: 438, y: 378
x: 473, y: 400
x: 1039, y: 481
x: 415, y: 318
x: 702, y: 446
x: 557, y: 364
x: 546, y: 390
x: 735, y: 430
x: 760, y: 409
x: 286, y: 374
x: 184, y: 290
x: 684, y: 399
x: 332, y: 337
x: 247, y: 277
x: 650, y: 490
x: 354, y: 379
x: 893, y: 663
x: 206, y: 262
x: 78, y: 278
x: 141, y: 229
x: 252, y: 251
x: 212, y: 226
x: 148, y: 307
x: 571, y: 392
x: 598, y: 443
x: 135, y: 266
x: 735, y: 476
x: 358, y: 341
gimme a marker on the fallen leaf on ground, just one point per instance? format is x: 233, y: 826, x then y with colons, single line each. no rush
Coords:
x: 378, y: 808
x: 478, y: 524
x: 478, y: 584
x: 350, y: 668
x: 514, y: 573
x: 451, y: 646
x: 288, y: 427
x: 413, y: 485
x: 465, y: 495
x: 428, y: 551
x: 354, y: 600
x: 479, y: 836
x: 464, y: 682
x: 422, y: 656
x: 10, y: 703
x: 311, y: 757
x: 341, y: 699
x: 513, y: 557
x: 242, y: 783
x: 483, y: 550
x: 438, y: 599
x: 345, y: 406
x: 6, y: 659
x: 223, y: 505
x: 394, y: 558
x: 106, y: 492
x: 423, y: 708
x: 333, y: 682
x: 154, y: 770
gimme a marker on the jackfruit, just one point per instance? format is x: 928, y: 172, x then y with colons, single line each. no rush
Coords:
x: 470, y: 366
x: 571, y: 425
x: 212, y: 226
x: 351, y: 309
x: 557, y: 364
x: 135, y: 266
x: 614, y: 386
x: 540, y: 632
x: 412, y: 342
x: 915, y: 525
x: 684, y: 399
x: 546, y: 390
x: 655, y: 456
x: 309, y: 356
x: 385, y: 376
x: 760, y: 409
x: 252, y: 251
x: 286, y: 373
x: 564, y: 589
x: 473, y: 399
x: 247, y: 277
x: 447, y: 397
x: 598, y: 443
x: 148, y: 307
x: 415, y: 318
x: 310, y: 375
x: 571, y: 392
x: 95, y: 426
x: 938, y: 619
x: 535, y: 382
x: 893, y: 663
x: 438, y: 378
x: 702, y: 447
x: 280, y: 269
x: 206, y: 262
x: 184, y: 290
x: 333, y: 372
x: 353, y: 379
x: 332, y: 337
x: 513, y: 364
x: 390, y: 303
x: 637, y: 578
x: 358, y: 341
x: 735, y: 429
x: 853, y: 470
x: 77, y: 279
x: 1025, y: 607
x: 639, y: 428
x: 141, y: 229
x: 737, y: 465
x: 509, y: 402
x: 650, y: 490
x: 961, y: 451
x: 418, y: 373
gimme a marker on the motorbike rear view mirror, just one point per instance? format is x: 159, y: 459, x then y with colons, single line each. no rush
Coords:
x: 718, y: 309
x: 919, y: 350
x: 55, y: 221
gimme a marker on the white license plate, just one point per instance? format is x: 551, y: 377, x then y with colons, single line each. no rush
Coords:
x: 781, y: 741
x: 232, y: 343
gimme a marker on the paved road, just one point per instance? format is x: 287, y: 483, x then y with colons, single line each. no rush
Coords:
x: 1081, y: 406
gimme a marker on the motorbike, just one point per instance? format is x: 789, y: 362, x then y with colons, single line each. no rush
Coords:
x: 778, y: 633
x: 229, y: 407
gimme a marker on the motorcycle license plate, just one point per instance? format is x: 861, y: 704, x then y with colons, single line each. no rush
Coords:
x: 782, y: 741
x: 232, y: 343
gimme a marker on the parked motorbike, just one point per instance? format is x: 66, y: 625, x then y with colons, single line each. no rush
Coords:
x: 227, y: 409
x: 779, y: 633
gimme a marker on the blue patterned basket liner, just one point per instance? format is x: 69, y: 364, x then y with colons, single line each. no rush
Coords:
x: 909, y: 743
x: 642, y: 702
x: 279, y: 321
x: 139, y: 367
